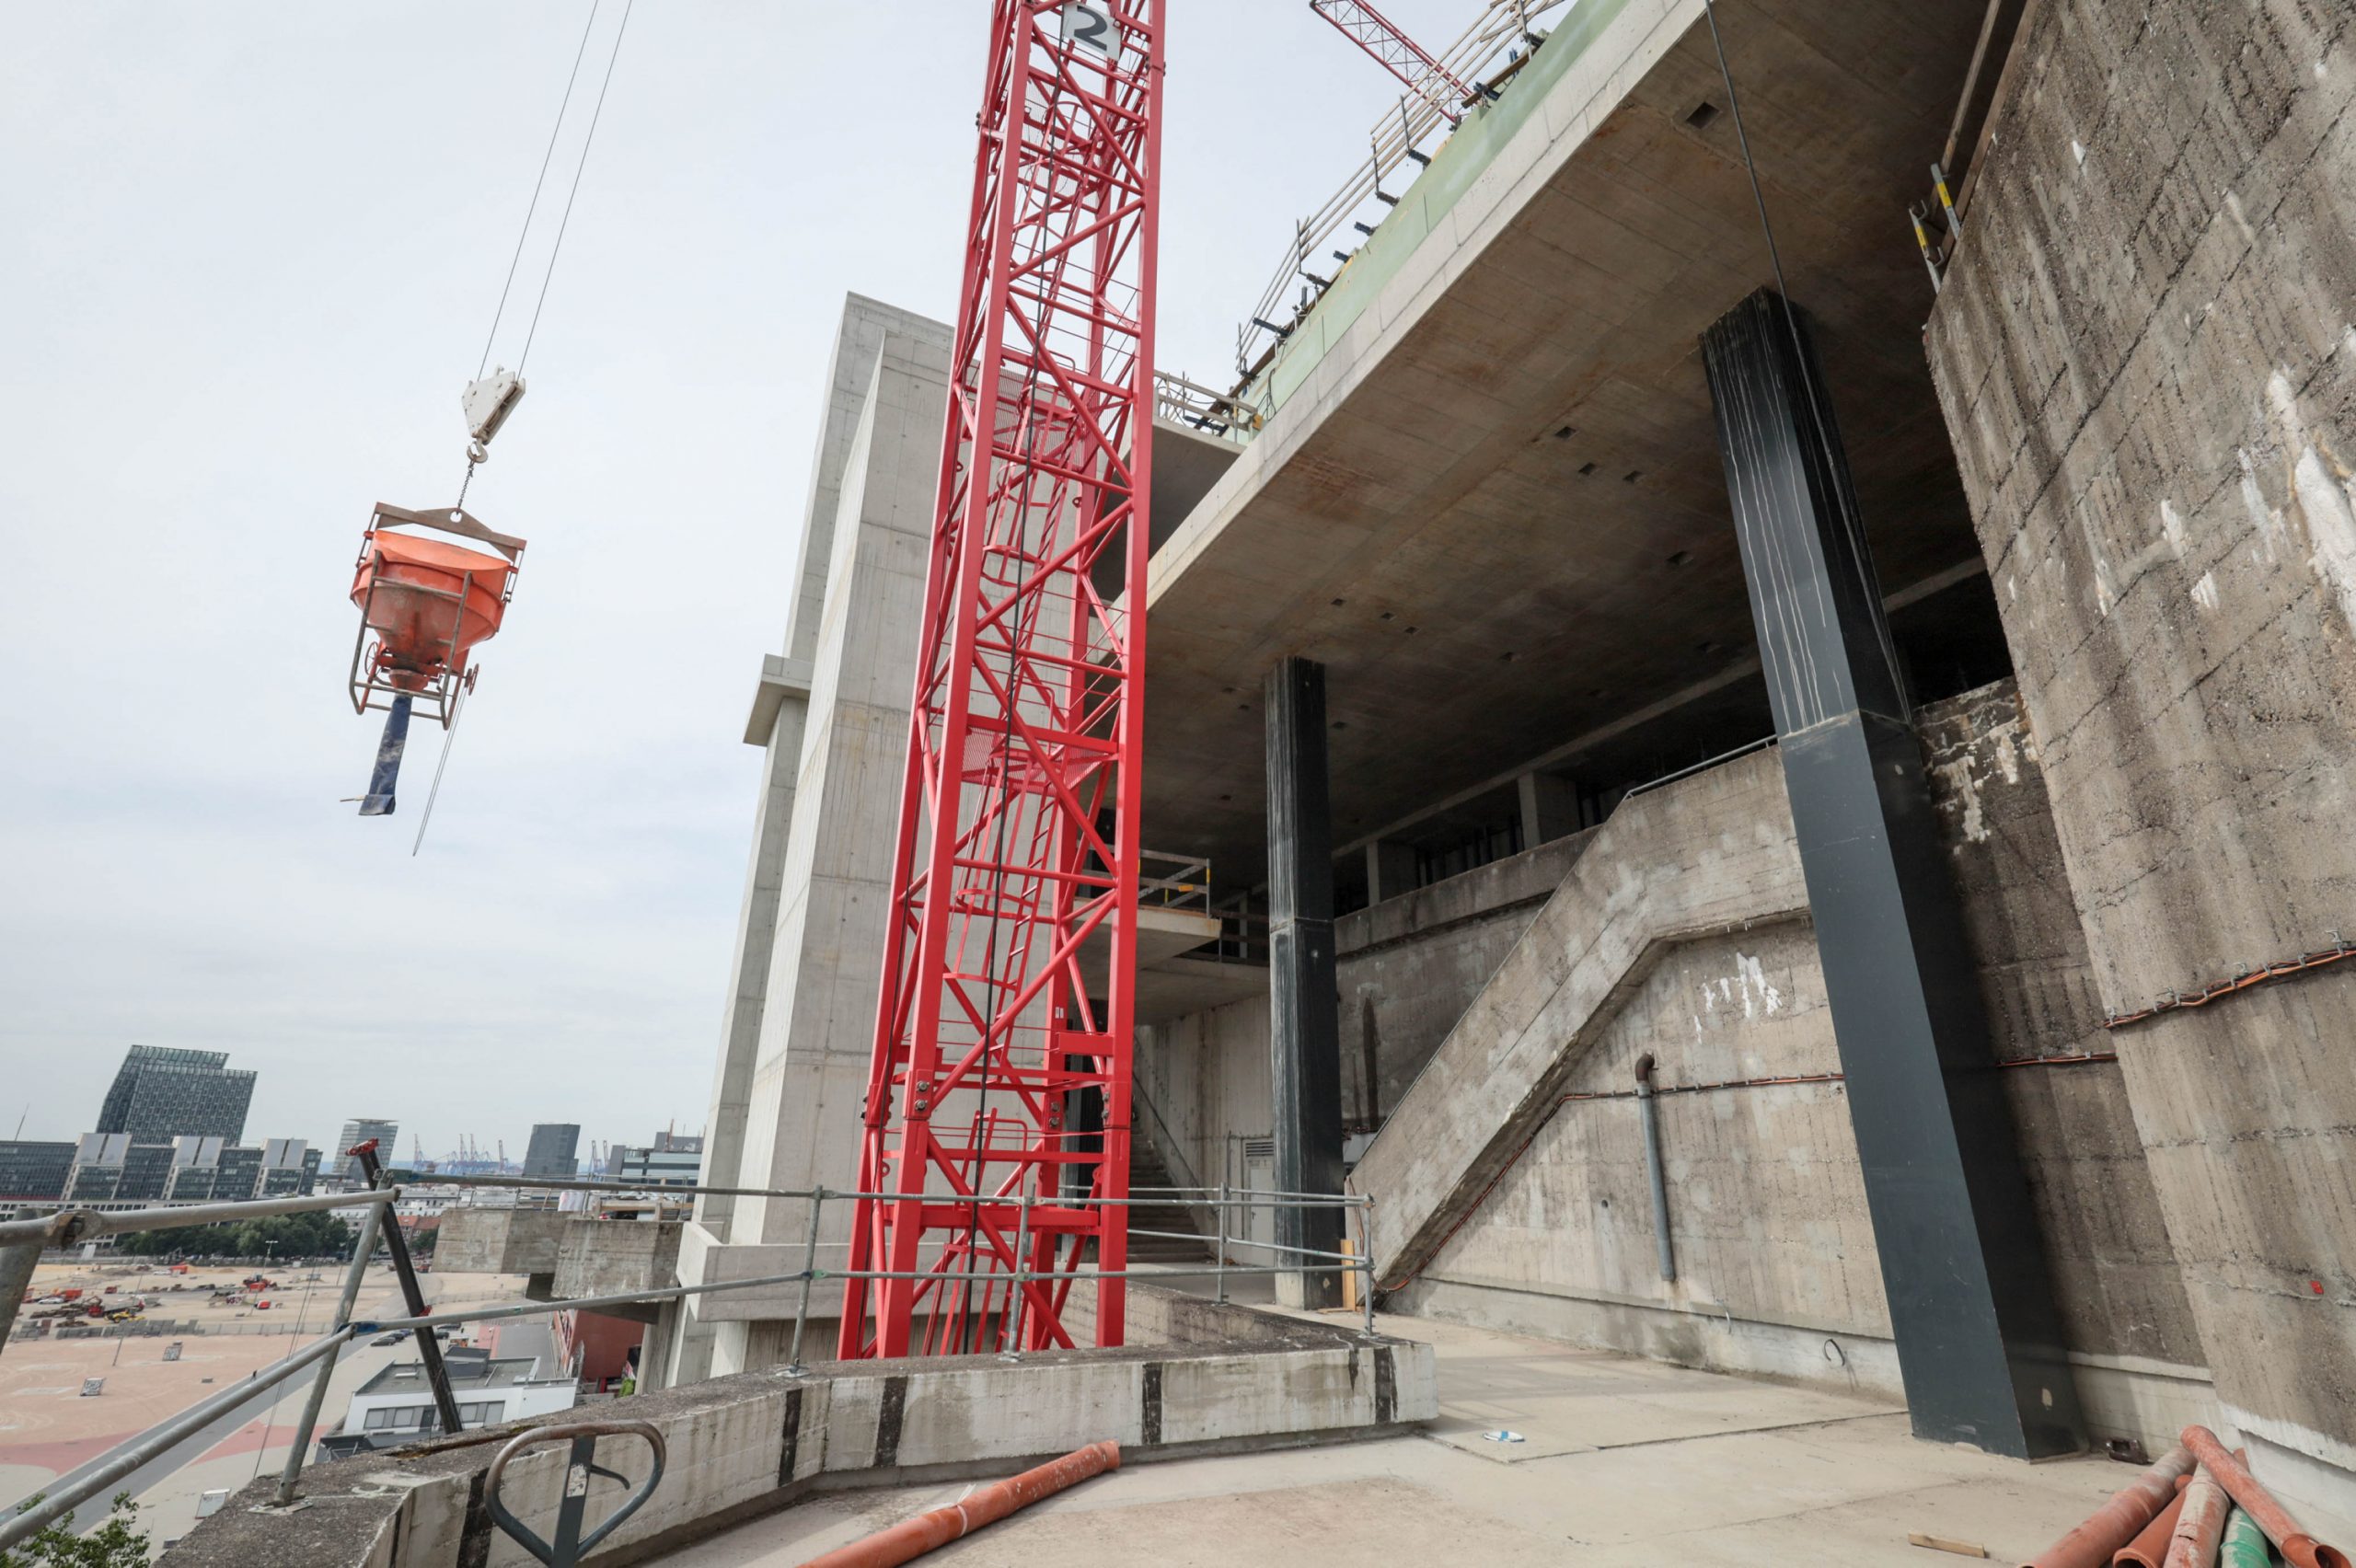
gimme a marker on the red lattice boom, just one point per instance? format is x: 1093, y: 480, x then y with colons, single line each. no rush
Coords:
x: 1018, y: 836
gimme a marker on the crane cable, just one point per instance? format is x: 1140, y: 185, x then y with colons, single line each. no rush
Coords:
x: 531, y: 210
x: 564, y: 222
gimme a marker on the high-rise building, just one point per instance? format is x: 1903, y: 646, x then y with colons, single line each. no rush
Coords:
x: 35, y: 1170
x: 161, y: 1092
x: 357, y: 1131
x: 554, y: 1149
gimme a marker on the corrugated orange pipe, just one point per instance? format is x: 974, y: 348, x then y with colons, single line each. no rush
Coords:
x: 2298, y: 1548
x: 2150, y: 1550
x: 2200, y: 1523
x: 913, y: 1538
x: 2115, y: 1522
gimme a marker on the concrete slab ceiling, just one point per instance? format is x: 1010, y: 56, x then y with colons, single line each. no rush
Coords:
x: 1491, y: 503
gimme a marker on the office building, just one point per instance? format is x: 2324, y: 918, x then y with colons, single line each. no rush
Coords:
x: 30, y: 1170
x: 552, y: 1149
x: 160, y: 1092
x: 357, y: 1131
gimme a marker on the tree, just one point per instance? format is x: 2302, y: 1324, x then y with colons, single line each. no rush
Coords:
x: 115, y: 1544
x: 285, y: 1237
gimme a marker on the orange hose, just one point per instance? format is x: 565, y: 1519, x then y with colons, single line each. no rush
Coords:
x: 912, y: 1539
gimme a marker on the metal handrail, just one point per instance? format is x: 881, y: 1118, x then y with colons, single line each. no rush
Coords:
x: 27, y: 1238
x: 1396, y: 138
x: 71, y: 1224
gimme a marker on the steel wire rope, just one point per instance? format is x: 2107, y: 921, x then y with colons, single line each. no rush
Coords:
x: 506, y: 287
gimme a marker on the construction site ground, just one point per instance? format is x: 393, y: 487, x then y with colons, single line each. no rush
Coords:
x: 1622, y: 1462
x: 48, y: 1427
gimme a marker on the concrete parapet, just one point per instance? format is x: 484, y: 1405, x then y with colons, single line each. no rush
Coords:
x: 503, y: 1241
x: 747, y: 1445
x: 607, y: 1257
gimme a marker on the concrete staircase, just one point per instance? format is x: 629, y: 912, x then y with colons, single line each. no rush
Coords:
x: 1708, y: 854
x: 1148, y: 1170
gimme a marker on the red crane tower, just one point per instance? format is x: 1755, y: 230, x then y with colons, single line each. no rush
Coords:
x: 1018, y: 833
x: 1399, y: 54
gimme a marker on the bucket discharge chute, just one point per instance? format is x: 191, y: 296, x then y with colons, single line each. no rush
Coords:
x: 427, y: 603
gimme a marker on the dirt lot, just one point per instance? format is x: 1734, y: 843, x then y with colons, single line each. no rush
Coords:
x: 47, y: 1427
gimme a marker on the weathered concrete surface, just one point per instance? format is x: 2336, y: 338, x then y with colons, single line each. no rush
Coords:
x: 1623, y: 1464
x: 499, y: 1240
x: 1774, y: 1248
x: 1409, y: 965
x: 609, y: 1257
x: 2146, y: 358
x: 750, y: 1443
x: 1709, y: 854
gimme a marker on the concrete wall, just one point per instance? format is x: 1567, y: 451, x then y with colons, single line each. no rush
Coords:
x: 2146, y: 362
x: 1407, y: 969
x: 745, y: 1446
x: 1409, y: 965
x: 1543, y: 1224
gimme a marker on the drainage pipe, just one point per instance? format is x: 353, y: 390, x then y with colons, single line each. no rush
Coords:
x: 913, y: 1538
x: 2201, y: 1525
x: 2117, y: 1521
x: 2245, y: 1542
x: 2150, y: 1550
x: 1652, y: 1166
x: 2298, y: 1548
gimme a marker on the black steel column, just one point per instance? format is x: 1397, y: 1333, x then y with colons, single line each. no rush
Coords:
x: 1979, y: 1340
x: 1305, y: 1032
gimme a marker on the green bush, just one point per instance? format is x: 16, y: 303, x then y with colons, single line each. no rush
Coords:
x: 115, y: 1544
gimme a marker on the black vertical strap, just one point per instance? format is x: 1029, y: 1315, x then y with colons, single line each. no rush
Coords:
x: 428, y: 1348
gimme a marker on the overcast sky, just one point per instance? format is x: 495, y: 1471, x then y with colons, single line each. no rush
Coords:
x: 252, y: 254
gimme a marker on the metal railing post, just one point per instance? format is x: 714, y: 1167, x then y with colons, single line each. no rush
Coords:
x: 429, y: 1349
x: 1366, y: 1261
x: 16, y: 1265
x: 361, y: 1249
x: 1011, y: 1335
x: 1220, y: 1257
x: 809, y: 1277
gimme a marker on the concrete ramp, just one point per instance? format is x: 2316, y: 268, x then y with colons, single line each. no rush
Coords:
x: 1706, y: 855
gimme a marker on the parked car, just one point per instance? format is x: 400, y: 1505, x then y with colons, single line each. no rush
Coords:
x: 395, y: 1337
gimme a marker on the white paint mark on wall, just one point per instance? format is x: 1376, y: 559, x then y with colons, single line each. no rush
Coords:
x: 2263, y: 518
x: 2078, y: 150
x: 2204, y: 592
x: 1754, y: 978
x: 2321, y: 488
x: 2172, y: 527
x: 2241, y: 219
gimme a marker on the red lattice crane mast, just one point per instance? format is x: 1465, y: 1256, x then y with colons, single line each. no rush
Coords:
x: 1399, y: 54
x: 1018, y: 833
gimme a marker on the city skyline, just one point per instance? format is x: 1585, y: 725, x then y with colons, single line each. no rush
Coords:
x: 67, y: 1115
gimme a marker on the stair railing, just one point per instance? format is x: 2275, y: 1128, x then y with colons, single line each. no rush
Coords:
x: 1205, y: 1217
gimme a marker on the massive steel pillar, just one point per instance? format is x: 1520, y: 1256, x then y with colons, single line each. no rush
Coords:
x: 1026, y: 729
x: 1305, y: 1032
x: 1979, y: 1341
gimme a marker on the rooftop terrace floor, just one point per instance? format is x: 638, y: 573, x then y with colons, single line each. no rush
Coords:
x: 1622, y: 1462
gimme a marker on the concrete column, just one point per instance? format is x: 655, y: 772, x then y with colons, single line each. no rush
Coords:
x: 1304, y: 1036
x: 780, y: 711
x: 1390, y: 870
x: 1550, y: 808
x: 1980, y: 1342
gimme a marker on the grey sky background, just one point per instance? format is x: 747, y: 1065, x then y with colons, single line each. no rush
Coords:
x: 252, y: 251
